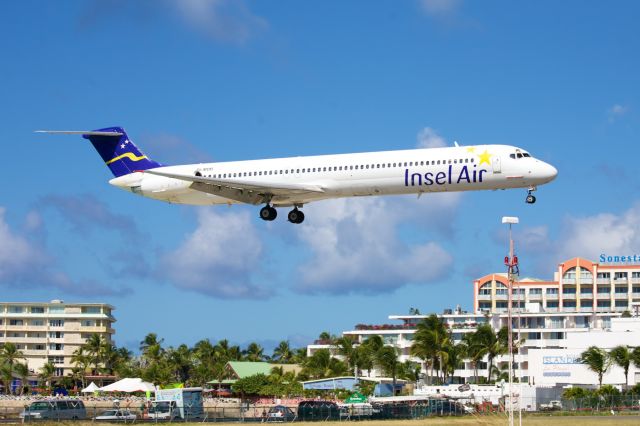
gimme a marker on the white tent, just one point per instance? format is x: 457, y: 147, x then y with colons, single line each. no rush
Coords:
x: 90, y: 389
x: 129, y: 385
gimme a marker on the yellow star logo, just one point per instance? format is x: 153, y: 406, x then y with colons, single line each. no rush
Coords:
x: 471, y: 149
x: 485, y: 157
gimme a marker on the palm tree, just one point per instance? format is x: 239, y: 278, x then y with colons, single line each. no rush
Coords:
x: 9, y: 355
x: 366, y: 352
x: 82, y: 361
x: 180, y: 362
x: 621, y: 356
x: 346, y: 348
x: 93, y: 347
x: 387, y: 360
x: 474, y: 350
x: 47, y: 372
x: 254, y: 352
x: 282, y: 353
x: 596, y: 360
x: 492, y: 345
x: 430, y: 342
x: 635, y: 356
x: 22, y: 371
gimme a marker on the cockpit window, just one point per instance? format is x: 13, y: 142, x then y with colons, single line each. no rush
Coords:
x: 519, y: 154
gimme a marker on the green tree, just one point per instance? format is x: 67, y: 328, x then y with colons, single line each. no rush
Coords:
x: 347, y: 349
x: 9, y: 356
x: 47, y: 373
x: 22, y: 372
x: 596, y: 360
x: 283, y: 353
x: 180, y: 362
x: 254, y: 352
x: 622, y: 357
x: 387, y: 359
x: 431, y: 342
x: 82, y: 361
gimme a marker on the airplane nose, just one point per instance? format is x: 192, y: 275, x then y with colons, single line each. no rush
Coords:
x: 550, y: 172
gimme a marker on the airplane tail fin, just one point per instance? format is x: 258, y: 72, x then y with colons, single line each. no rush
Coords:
x: 116, y: 149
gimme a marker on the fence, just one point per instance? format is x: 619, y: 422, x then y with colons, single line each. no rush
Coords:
x: 324, y: 410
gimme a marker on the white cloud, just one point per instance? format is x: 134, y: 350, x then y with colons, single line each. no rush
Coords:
x: 429, y: 138
x: 440, y: 8
x: 616, y: 111
x: 218, y: 258
x: 18, y: 256
x: 587, y: 237
x: 27, y: 263
x: 609, y: 233
x: 221, y: 20
x: 356, y: 247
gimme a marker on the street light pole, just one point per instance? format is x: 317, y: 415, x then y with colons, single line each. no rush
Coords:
x: 511, y: 262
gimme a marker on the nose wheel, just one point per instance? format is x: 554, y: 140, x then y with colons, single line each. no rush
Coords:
x: 268, y: 213
x: 295, y: 216
x: 530, y: 197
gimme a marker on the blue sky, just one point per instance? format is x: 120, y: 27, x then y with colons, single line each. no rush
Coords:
x: 200, y: 80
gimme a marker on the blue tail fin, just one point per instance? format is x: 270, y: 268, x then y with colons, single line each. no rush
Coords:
x: 118, y: 152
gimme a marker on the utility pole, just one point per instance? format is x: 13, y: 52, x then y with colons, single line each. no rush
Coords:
x: 511, y: 261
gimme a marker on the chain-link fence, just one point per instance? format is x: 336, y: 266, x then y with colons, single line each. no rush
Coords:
x: 315, y: 410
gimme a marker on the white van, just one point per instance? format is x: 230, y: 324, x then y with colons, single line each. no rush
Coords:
x: 55, y: 409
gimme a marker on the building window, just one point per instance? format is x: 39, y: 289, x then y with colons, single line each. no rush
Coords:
x: 15, y: 322
x: 56, y: 323
x: 552, y: 291
x: 535, y: 291
x: 622, y: 304
x: 37, y: 309
x: 604, y: 275
x: 90, y: 309
x: 88, y: 323
x: 556, y: 335
x: 620, y: 276
x: 37, y: 323
x: 56, y: 309
x: 15, y: 309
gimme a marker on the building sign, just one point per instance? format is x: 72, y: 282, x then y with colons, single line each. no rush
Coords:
x: 625, y: 258
x: 559, y: 365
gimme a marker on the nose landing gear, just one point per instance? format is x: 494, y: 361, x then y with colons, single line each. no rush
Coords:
x: 530, y: 197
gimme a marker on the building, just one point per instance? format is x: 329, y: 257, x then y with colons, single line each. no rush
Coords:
x: 51, y: 332
x: 559, y: 318
x: 579, y: 285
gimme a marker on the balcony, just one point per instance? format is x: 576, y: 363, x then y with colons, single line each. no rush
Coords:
x: 552, y: 296
x: 501, y: 297
x: 635, y: 280
x: 586, y: 309
x: 566, y: 281
x: 484, y: 297
x: 621, y: 296
x: 551, y: 309
x: 569, y: 296
x: 621, y: 280
x: 604, y: 295
x: 603, y: 280
x: 586, y: 280
x: 535, y: 296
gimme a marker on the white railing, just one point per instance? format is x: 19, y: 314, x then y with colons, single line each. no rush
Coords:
x: 569, y: 296
x: 621, y: 296
x: 603, y: 280
x: 568, y: 281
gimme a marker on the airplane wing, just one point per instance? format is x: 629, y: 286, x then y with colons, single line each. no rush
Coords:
x: 243, y: 191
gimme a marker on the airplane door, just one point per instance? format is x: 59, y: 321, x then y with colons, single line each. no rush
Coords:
x: 496, y: 164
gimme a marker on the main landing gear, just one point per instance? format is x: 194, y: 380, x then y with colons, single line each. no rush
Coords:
x: 295, y: 216
x: 530, y: 198
x: 269, y: 213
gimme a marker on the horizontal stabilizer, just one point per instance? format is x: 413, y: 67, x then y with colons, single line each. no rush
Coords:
x: 80, y: 132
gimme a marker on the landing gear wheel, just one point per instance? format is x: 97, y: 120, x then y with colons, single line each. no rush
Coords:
x: 530, y: 199
x: 295, y: 216
x: 268, y: 213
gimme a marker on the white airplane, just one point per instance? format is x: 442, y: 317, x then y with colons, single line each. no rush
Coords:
x: 296, y: 181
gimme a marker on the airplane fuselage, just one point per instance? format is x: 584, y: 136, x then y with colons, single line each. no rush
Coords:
x: 415, y: 171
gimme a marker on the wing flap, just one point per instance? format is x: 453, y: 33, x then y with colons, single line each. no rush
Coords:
x: 250, y: 192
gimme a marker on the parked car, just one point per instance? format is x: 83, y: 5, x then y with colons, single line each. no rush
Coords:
x: 280, y: 413
x: 163, y: 410
x: 55, y: 409
x: 117, y: 415
x: 551, y: 406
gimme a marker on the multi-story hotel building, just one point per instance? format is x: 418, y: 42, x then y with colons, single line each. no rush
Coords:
x: 557, y: 320
x: 51, y: 332
x: 579, y: 285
